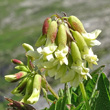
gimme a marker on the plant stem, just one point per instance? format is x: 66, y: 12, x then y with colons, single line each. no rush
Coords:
x: 84, y: 96
x: 49, y: 87
x: 51, y: 90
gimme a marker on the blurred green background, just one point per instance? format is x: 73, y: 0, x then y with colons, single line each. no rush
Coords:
x: 21, y: 21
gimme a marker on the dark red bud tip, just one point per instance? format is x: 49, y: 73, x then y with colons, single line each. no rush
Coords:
x: 45, y: 26
x: 19, y: 75
x: 15, y: 61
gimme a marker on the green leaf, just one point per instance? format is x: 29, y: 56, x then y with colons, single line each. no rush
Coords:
x: 102, y: 102
x: 80, y: 106
x: 51, y: 97
x: 98, y: 70
x: 53, y: 106
x: 45, y: 108
x: 107, y: 84
x: 58, y: 104
x: 60, y: 93
x: 41, y: 41
x: 91, y: 84
x: 76, y: 96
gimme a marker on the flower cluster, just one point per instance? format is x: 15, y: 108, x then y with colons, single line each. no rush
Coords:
x: 30, y: 82
x: 65, y: 49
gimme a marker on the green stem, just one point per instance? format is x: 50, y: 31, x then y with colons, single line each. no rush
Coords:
x: 85, y: 96
x: 49, y: 87
x: 51, y: 90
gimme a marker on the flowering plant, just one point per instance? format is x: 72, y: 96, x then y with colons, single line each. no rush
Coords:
x: 64, y: 51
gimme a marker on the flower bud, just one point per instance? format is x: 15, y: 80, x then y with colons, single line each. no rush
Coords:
x: 62, y: 36
x: 79, y: 40
x: 15, y: 77
x: 20, y: 89
x: 27, y: 47
x: 76, y: 55
x: 36, y: 90
x: 46, y: 25
x: 16, y: 61
x: 22, y: 68
x: 52, y: 31
x: 76, y: 24
x: 29, y: 89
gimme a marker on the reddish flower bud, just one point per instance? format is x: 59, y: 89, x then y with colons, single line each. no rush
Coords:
x: 20, y: 75
x: 46, y: 25
x: 76, y: 24
x: 20, y: 89
x: 52, y: 31
x: 15, y: 77
x: 16, y: 61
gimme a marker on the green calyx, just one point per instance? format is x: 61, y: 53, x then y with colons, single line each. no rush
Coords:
x: 62, y: 36
x: 76, y: 24
x: 76, y: 55
x: 52, y: 31
x: 79, y: 40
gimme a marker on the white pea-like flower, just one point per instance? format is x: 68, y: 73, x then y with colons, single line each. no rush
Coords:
x: 90, y: 38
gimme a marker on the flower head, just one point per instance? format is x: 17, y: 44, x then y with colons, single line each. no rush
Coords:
x: 90, y: 57
x: 47, y: 51
x: 61, y: 55
x: 76, y: 75
x: 90, y: 38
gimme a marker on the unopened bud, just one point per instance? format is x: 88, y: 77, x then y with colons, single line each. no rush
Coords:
x: 52, y: 31
x: 62, y: 36
x: 76, y: 55
x: 22, y: 68
x: 79, y: 40
x: 29, y: 89
x: 46, y: 25
x: 20, y: 89
x: 27, y: 47
x: 16, y: 61
x: 15, y: 77
x: 36, y: 89
x: 76, y: 24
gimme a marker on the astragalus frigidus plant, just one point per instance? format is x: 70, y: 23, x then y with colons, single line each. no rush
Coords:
x: 63, y: 51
